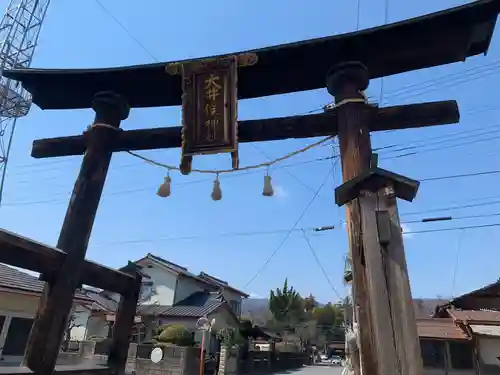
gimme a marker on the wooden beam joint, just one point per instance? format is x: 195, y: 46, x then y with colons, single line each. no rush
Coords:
x: 373, y: 180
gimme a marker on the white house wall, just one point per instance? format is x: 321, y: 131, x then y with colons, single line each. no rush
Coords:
x: 489, y: 349
x: 164, y: 283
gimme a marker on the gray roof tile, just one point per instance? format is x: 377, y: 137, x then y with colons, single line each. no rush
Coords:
x: 196, y: 305
x: 12, y: 278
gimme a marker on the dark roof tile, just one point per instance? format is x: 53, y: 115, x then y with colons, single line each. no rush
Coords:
x: 12, y: 278
x: 196, y: 305
x: 444, y: 329
x: 475, y: 316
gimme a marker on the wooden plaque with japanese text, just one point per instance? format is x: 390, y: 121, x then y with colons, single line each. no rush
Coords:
x: 209, y: 106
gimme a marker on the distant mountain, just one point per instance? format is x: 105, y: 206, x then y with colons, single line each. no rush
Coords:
x: 257, y: 309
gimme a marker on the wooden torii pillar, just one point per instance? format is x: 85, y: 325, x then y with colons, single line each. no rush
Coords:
x: 382, y: 295
x: 72, y: 270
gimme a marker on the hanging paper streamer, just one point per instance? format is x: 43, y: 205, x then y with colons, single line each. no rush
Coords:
x: 268, y: 187
x: 217, y: 192
x: 164, y: 189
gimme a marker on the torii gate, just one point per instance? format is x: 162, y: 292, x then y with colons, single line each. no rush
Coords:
x: 389, y: 342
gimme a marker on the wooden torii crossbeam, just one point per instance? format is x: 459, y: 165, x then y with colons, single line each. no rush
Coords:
x: 346, y: 63
x: 271, y: 129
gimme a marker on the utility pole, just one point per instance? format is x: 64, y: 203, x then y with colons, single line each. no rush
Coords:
x: 382, y: 300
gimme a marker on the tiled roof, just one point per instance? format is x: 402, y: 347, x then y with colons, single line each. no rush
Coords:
x: 475, y: 316
x: 220, y: 283
x: 196, y: 305
x: 104, y: 303
x: 152, y: 309
x: 12, y: 278
x: 467, y: 301
x: 440, y: 328
x: 202, y: 277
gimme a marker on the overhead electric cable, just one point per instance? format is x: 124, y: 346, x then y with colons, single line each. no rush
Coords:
x: 127, y: 31
x: 452, y: 229
x: 277, y: 249
x: 315, y: 256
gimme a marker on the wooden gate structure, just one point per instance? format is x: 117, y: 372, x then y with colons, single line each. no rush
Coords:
x: 344, y: 64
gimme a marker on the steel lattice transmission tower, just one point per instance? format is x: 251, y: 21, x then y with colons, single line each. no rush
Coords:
x: 19, y: 31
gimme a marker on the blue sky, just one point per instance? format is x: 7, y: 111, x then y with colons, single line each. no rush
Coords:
x: 132, y: 220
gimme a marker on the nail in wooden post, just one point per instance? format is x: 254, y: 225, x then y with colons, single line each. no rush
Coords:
x: 346, y: 82
x: 57, y: 298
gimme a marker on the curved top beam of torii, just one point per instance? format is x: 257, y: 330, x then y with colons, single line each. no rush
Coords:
x: 435, y: 39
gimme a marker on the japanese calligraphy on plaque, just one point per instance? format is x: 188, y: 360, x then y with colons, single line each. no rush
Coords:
x: 209, y: 106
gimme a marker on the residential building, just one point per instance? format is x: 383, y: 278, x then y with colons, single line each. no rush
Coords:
x: 463, y: 337
x: 170, y: 294
x: 19, y: 296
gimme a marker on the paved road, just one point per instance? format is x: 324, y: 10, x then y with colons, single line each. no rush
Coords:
x: 318, y: 370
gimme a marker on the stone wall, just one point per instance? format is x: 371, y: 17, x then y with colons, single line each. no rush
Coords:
x: 176, y: 361
x: 259, y: 362
x: 185, y: 360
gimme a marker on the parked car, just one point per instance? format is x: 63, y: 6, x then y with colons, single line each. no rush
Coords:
x: 335, y: 360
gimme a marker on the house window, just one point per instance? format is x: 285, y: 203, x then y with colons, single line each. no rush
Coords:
x: 433, y: 353
x: 138, y: 333
x: 461, y: 355
x: 236, y: 306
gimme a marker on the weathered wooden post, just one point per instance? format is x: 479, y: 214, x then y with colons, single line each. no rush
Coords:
x: 389, y: 340
x: 347, y: 82
x: 122, y: 330
x: 57, y: 298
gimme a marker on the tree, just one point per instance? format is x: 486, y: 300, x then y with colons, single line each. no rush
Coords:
x: 328, y: 318
x: 286, y: 306
x: 310, y: 303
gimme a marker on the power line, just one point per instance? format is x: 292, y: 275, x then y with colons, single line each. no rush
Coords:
x: 448, y: 79
x: 456, y: 207
x: 489, y: 139
x: 455, y: 268
x: 290, y: 231
x: 278, y: 231
x: 450, y: 218
x: 122, y: 26
x: 462, y: 175
x: 452, y: 229
x: 484, y: 130
x: 335, y: 158
x: 319, y: 264
x: 212, y: 235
